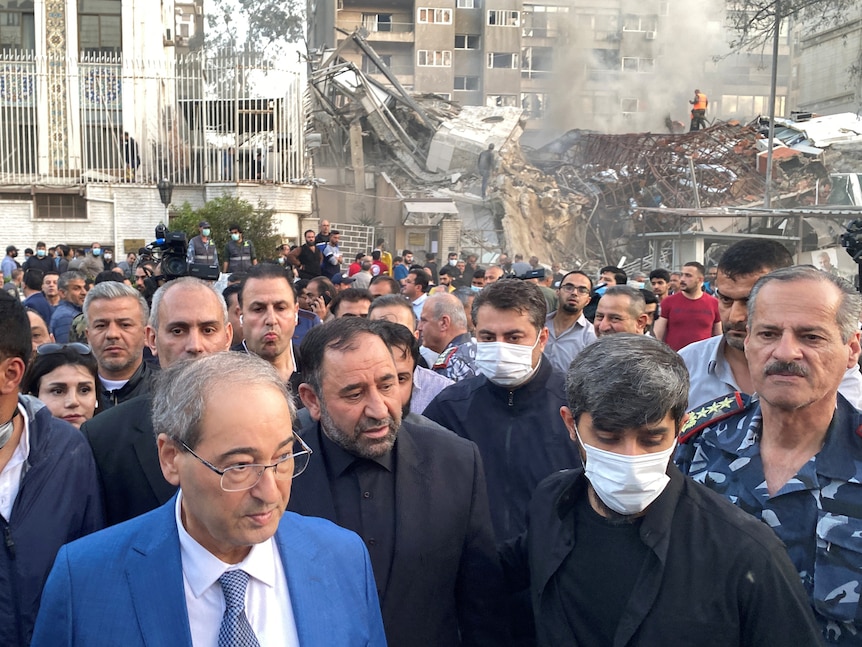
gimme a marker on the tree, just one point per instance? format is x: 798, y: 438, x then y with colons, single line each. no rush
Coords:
x: 753, y: 21
x: 257, y: 223
x: 263, y: 23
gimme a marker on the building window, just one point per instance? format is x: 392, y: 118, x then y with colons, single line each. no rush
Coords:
x: 466, y: 41
x: 502, y: 60
x: 467, y: 4
x: 376, y: 22
x: 749, y: 106
x: 534, y: 104
x: 99, y: 27
x: 499, y: 100
x: 502, y: 18
x: 435, y: 16
x: 633, y: 22
x: 370, y: 67
x: 17, y: 28
x: 629, y: 105
x: 429, y: 58
x: 466, y: 82
x: 633, y: 64
x: 60, y: 206
x: 537, y: 62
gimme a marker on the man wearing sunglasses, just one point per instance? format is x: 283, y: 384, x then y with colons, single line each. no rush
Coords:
x: 221, y: 562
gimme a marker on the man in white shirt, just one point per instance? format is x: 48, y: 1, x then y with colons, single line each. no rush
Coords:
x: 221, y: 563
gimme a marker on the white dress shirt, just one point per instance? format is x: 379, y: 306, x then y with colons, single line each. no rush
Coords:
x: 267, y: 599
x: 10, y: 477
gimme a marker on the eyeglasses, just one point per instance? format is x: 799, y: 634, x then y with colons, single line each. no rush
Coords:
x: 568, y: 287
x: 50, y: 349
x: 244, y: 477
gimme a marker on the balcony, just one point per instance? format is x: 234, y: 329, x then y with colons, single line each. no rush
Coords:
x: 382, y: 32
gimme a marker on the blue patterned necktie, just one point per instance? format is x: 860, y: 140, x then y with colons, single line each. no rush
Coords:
x: 235, y: 630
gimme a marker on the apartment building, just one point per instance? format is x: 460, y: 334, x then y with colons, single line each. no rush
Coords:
x: 609, y: 65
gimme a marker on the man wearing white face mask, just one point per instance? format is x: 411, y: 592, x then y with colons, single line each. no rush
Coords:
x: 627, y: 551
x: 510, y: 410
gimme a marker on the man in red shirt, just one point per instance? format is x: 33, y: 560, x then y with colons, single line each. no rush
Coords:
x: 689, y: 315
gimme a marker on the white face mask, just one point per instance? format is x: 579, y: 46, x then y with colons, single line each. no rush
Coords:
x: 627, y: 484
x: 505, y: 364
x: 453, y: 262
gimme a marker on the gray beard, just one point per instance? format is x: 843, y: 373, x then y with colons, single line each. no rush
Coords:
x: 353, y: 443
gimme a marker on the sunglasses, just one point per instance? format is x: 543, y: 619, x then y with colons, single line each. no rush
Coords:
x: 50, y: 349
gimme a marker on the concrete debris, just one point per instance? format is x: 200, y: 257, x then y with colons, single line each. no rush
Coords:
x: 580, y: 200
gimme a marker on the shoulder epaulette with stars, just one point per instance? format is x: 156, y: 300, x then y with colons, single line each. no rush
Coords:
x: 445, y: 357
x: 709, y: 413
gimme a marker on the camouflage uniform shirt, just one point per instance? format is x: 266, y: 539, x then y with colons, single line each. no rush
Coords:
x: 817, y: 513
x: 458, y: 360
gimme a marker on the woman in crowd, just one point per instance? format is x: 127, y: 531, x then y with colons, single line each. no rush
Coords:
x: 64, y: 377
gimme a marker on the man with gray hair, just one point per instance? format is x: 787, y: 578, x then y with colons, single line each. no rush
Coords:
x: 72, y: 286
x: 443, y: 327
x: 221, y: 562
x: 615, y: 550
x: 116, y: 319
x: 793, y: 456
x: 621, y: 309
x: 188, y: 320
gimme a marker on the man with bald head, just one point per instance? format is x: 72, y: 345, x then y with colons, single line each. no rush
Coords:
x: 443, y: 327
x: 188, y: 320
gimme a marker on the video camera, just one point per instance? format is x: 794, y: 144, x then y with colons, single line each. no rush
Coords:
x: 169, y: 251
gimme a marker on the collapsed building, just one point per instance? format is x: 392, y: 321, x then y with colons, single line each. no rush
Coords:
x: 406, y: 165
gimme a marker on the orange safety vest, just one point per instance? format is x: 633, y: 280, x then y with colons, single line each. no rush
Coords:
x: 700, y: 101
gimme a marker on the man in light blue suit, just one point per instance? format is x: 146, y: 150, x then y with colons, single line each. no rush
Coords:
x: 221, y: 563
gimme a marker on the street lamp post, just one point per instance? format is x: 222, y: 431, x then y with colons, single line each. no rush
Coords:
x: 166, y: 189
x: 767, y: 198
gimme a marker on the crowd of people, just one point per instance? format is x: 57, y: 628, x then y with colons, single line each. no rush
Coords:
x: 419, y: 454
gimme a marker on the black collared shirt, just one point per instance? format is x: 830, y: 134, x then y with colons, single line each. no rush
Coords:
x: 363, y: 492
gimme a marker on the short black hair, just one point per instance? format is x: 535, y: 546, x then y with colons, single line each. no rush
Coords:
x: 235, y: 226
x: 619, y: 274
x: 395, y: 334
x: 513, y: 294
x: 660, y: 273
x: 579, y: 273
x: 753, y: 255
x: 44, y: 364
x: 230, y: 290
x: 421, y: 279
x: 106, y: 276
x: 338, y: 334
x: 350, y: 295
x: 15, y: 337
x: 264, y: 271
x: 33, y: 278
x: 394, y: 285
x: 698, y: 266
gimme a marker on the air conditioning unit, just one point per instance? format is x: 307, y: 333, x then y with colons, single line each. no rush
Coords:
x: 650, y: 35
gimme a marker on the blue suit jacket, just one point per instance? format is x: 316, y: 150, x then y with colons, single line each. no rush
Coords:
x: 124, y: 586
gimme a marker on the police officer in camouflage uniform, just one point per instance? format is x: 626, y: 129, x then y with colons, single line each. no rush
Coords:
x: 443, y: 327
x: 792, y: 455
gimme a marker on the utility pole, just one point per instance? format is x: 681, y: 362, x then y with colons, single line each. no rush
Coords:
x: 767, y: 197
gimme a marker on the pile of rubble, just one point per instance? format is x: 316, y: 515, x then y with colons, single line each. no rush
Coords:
x: 582, y: 198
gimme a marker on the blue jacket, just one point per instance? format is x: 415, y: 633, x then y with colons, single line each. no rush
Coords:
x: 61, y: 320
x: 520, y: 434
x: 58, y: 502
x: 124, y: 586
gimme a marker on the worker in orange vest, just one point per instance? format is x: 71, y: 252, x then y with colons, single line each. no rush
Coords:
x: 698, y: 111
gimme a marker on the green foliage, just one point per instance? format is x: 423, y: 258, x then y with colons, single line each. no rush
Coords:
x: 257, y: 223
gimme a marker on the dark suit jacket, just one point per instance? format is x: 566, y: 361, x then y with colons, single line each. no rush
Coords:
x: 127, y: 459
x: 124, y: 586
x: 445, y: 575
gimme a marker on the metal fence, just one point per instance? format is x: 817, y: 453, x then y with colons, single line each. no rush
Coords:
x: 196, y: 119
